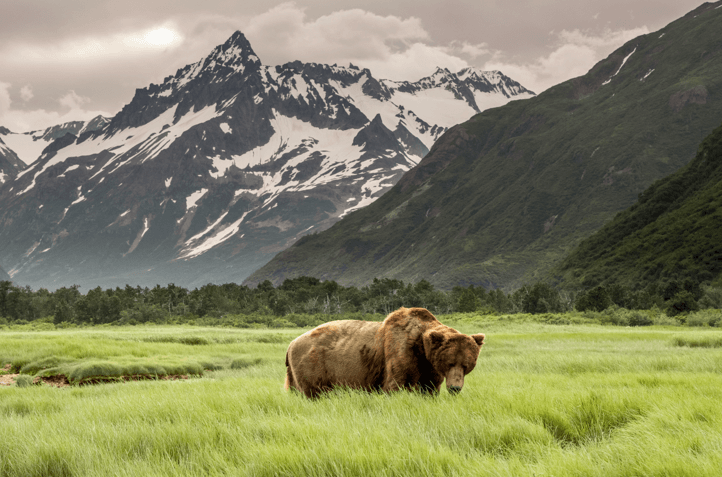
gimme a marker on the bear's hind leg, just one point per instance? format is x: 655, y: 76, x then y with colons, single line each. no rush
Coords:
x: 289, y: 380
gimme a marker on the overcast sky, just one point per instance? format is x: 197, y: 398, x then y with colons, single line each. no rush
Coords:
x: 74, y: 59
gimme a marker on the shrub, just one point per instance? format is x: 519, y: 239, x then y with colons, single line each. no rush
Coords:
x: 614, y: 316
x: 638, y: 318
x: 281, y: 323
x: 551, y: 319
x: 23, y: 381
x: 704, y: 318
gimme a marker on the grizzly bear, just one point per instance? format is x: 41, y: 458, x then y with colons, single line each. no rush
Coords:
x: 410, y: 349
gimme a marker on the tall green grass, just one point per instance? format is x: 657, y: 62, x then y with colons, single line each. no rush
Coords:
x: 544, y: 400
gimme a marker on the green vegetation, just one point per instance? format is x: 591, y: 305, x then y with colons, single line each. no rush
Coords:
x: 307, y: 301
x: 670, y: 240
x: 565, y: 400
x: 502, y: 198
x: 102, y: 354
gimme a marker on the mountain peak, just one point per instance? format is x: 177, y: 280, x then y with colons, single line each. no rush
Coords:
x: 237, y: 45
x: 238, y: 39
x: 234, y: 56
x: 235, y: 53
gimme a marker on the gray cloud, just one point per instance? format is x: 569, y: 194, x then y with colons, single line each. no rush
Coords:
x: 73, y: 59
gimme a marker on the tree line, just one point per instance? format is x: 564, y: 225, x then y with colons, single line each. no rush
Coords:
x: 297, y: 299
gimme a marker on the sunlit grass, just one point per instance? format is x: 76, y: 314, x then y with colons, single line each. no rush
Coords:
x: 545, y: 400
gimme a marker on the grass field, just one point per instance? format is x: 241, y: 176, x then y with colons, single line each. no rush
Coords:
x: 544, y: 400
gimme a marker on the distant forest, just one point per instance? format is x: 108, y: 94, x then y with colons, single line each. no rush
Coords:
x: 307, y: 301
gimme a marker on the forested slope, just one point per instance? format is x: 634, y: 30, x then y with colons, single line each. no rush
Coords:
x: 673, y: 233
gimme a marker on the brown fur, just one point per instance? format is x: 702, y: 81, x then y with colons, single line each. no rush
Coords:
x: 410, y: 349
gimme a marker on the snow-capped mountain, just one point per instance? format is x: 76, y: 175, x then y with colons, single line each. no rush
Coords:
x: 203, y: 178
x: 18, y: 150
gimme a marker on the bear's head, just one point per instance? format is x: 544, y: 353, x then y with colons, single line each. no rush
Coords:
x: 452, y: 354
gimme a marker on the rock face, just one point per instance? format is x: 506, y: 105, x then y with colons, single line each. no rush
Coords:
x: 205, y: 177
x: 502, y: 198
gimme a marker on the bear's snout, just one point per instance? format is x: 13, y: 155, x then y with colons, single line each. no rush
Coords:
x: 455, y: 379
x: 454, y: 389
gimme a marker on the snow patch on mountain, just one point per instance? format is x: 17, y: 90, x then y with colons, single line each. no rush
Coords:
x: 624, y: 61
x: 25, y: 146
x: 146, y: 141
x: 193, y: 199
x: 437, y: 103
x: 195, y: 248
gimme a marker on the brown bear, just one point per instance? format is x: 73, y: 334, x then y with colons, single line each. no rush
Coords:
x: 410, y: 349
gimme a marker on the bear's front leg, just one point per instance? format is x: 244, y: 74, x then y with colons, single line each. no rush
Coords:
x: 431, y: 384
x: 394, y: 377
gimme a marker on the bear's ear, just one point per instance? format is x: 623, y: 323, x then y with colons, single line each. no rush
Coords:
x: 479, y: 338
x: 437, y: 338
x: 432, y: 340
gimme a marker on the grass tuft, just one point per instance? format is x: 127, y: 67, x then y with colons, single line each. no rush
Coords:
x: 242, y: 363
x: 41, y: 364
x: 24, y: 381
x: 698, y: 342
x: 186, y: 340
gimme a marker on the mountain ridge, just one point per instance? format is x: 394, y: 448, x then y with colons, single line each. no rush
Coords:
x: 204, y: 177
x: 19, y: 150
x: 503, y: 197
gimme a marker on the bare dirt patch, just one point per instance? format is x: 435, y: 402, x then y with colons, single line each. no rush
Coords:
x: 7, y: 379
x: 54, y: 381
x: 135, y: 377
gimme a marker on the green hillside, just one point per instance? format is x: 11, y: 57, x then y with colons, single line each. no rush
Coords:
x: 673, y: 233
x: 504, y: 197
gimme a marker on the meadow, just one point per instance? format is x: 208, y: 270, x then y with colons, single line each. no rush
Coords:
x: 544, y: 400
